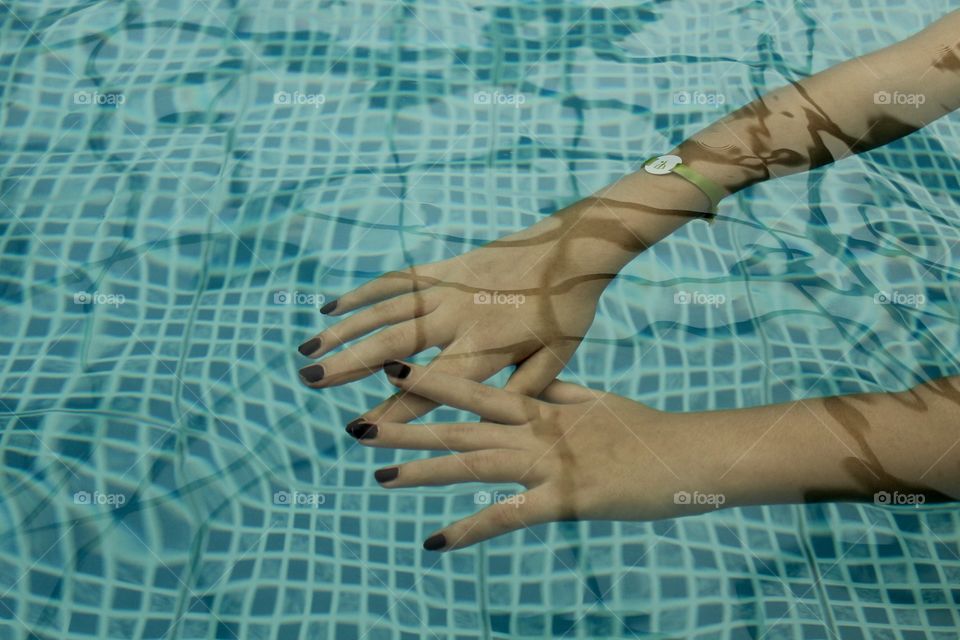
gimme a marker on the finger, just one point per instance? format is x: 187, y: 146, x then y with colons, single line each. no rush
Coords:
x: 405, y: 406
x: 489, y: 465
x: 392, y: 283
x: 516, y: 512
x: 536, y: 372
x: 400, y: 407
x: 384, y: 313
x: 486, y: 401
x: 366, y: 357
x: 462, y: 436
x: 561, y: 392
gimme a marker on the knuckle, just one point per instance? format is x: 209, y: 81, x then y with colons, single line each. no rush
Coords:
x: 479, y: 461
x: 394, y: 275
x: 420, y: 277
x: 423, y: 302
x: 396, y: 336
x: 565, y: 504
x: 411, y: 305
x: 525, y: 436
x: 545, y: 417
x: 526, y: 387
x: 546, y: 412
x: 400, y: 276
x: 387, y: 308
x: 502, y: 516
x: 458, y: 434
x: 546, y: 424
x: 479, y: 394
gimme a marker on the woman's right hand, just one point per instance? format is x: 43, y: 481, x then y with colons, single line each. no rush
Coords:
x: 525, y: 300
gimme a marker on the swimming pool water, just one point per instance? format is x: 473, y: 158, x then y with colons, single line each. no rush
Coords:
x: 183, y: 183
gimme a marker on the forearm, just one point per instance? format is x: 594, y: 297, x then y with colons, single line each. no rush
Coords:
x: 849, y: 108
x: 852, y: 107
x: 904, y: 444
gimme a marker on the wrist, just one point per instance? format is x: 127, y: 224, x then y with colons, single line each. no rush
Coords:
x: 790, y: 453
x: 662, y: 194
x: 719, y: 157
x: 634, y: 213
x: 615, y: 224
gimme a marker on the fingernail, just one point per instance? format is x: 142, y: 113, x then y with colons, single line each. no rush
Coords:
x: 313, y: 373
x: 329, y: 307
x: 435, y: 542
x: 396, y: 369
x: 386, y: 475
x: 353, y: 422
x: 309, y: 346
x: 362, y: 431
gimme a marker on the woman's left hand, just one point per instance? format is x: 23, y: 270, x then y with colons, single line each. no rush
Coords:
x: 582, y: 455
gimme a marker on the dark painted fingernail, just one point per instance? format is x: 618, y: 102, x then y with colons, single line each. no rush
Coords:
x: 386, y: 475
x: 396, y: 369
x: 313, y: 373
x: 435, y: 542
x: 309, y: 346
x: 353, y: 422
x: 329, y: 307
x: 363, y: 431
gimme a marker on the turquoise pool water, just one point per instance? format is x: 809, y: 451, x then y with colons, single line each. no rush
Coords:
x: 181, y: 183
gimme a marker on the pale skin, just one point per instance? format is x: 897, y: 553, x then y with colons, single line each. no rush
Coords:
x: 587, y: 455
x: 584, y: 454
x: 562, y: 264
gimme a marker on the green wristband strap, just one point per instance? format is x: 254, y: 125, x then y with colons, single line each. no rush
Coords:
x: 662, y: 165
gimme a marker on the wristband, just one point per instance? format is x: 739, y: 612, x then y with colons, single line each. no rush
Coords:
x: 662, y: 165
